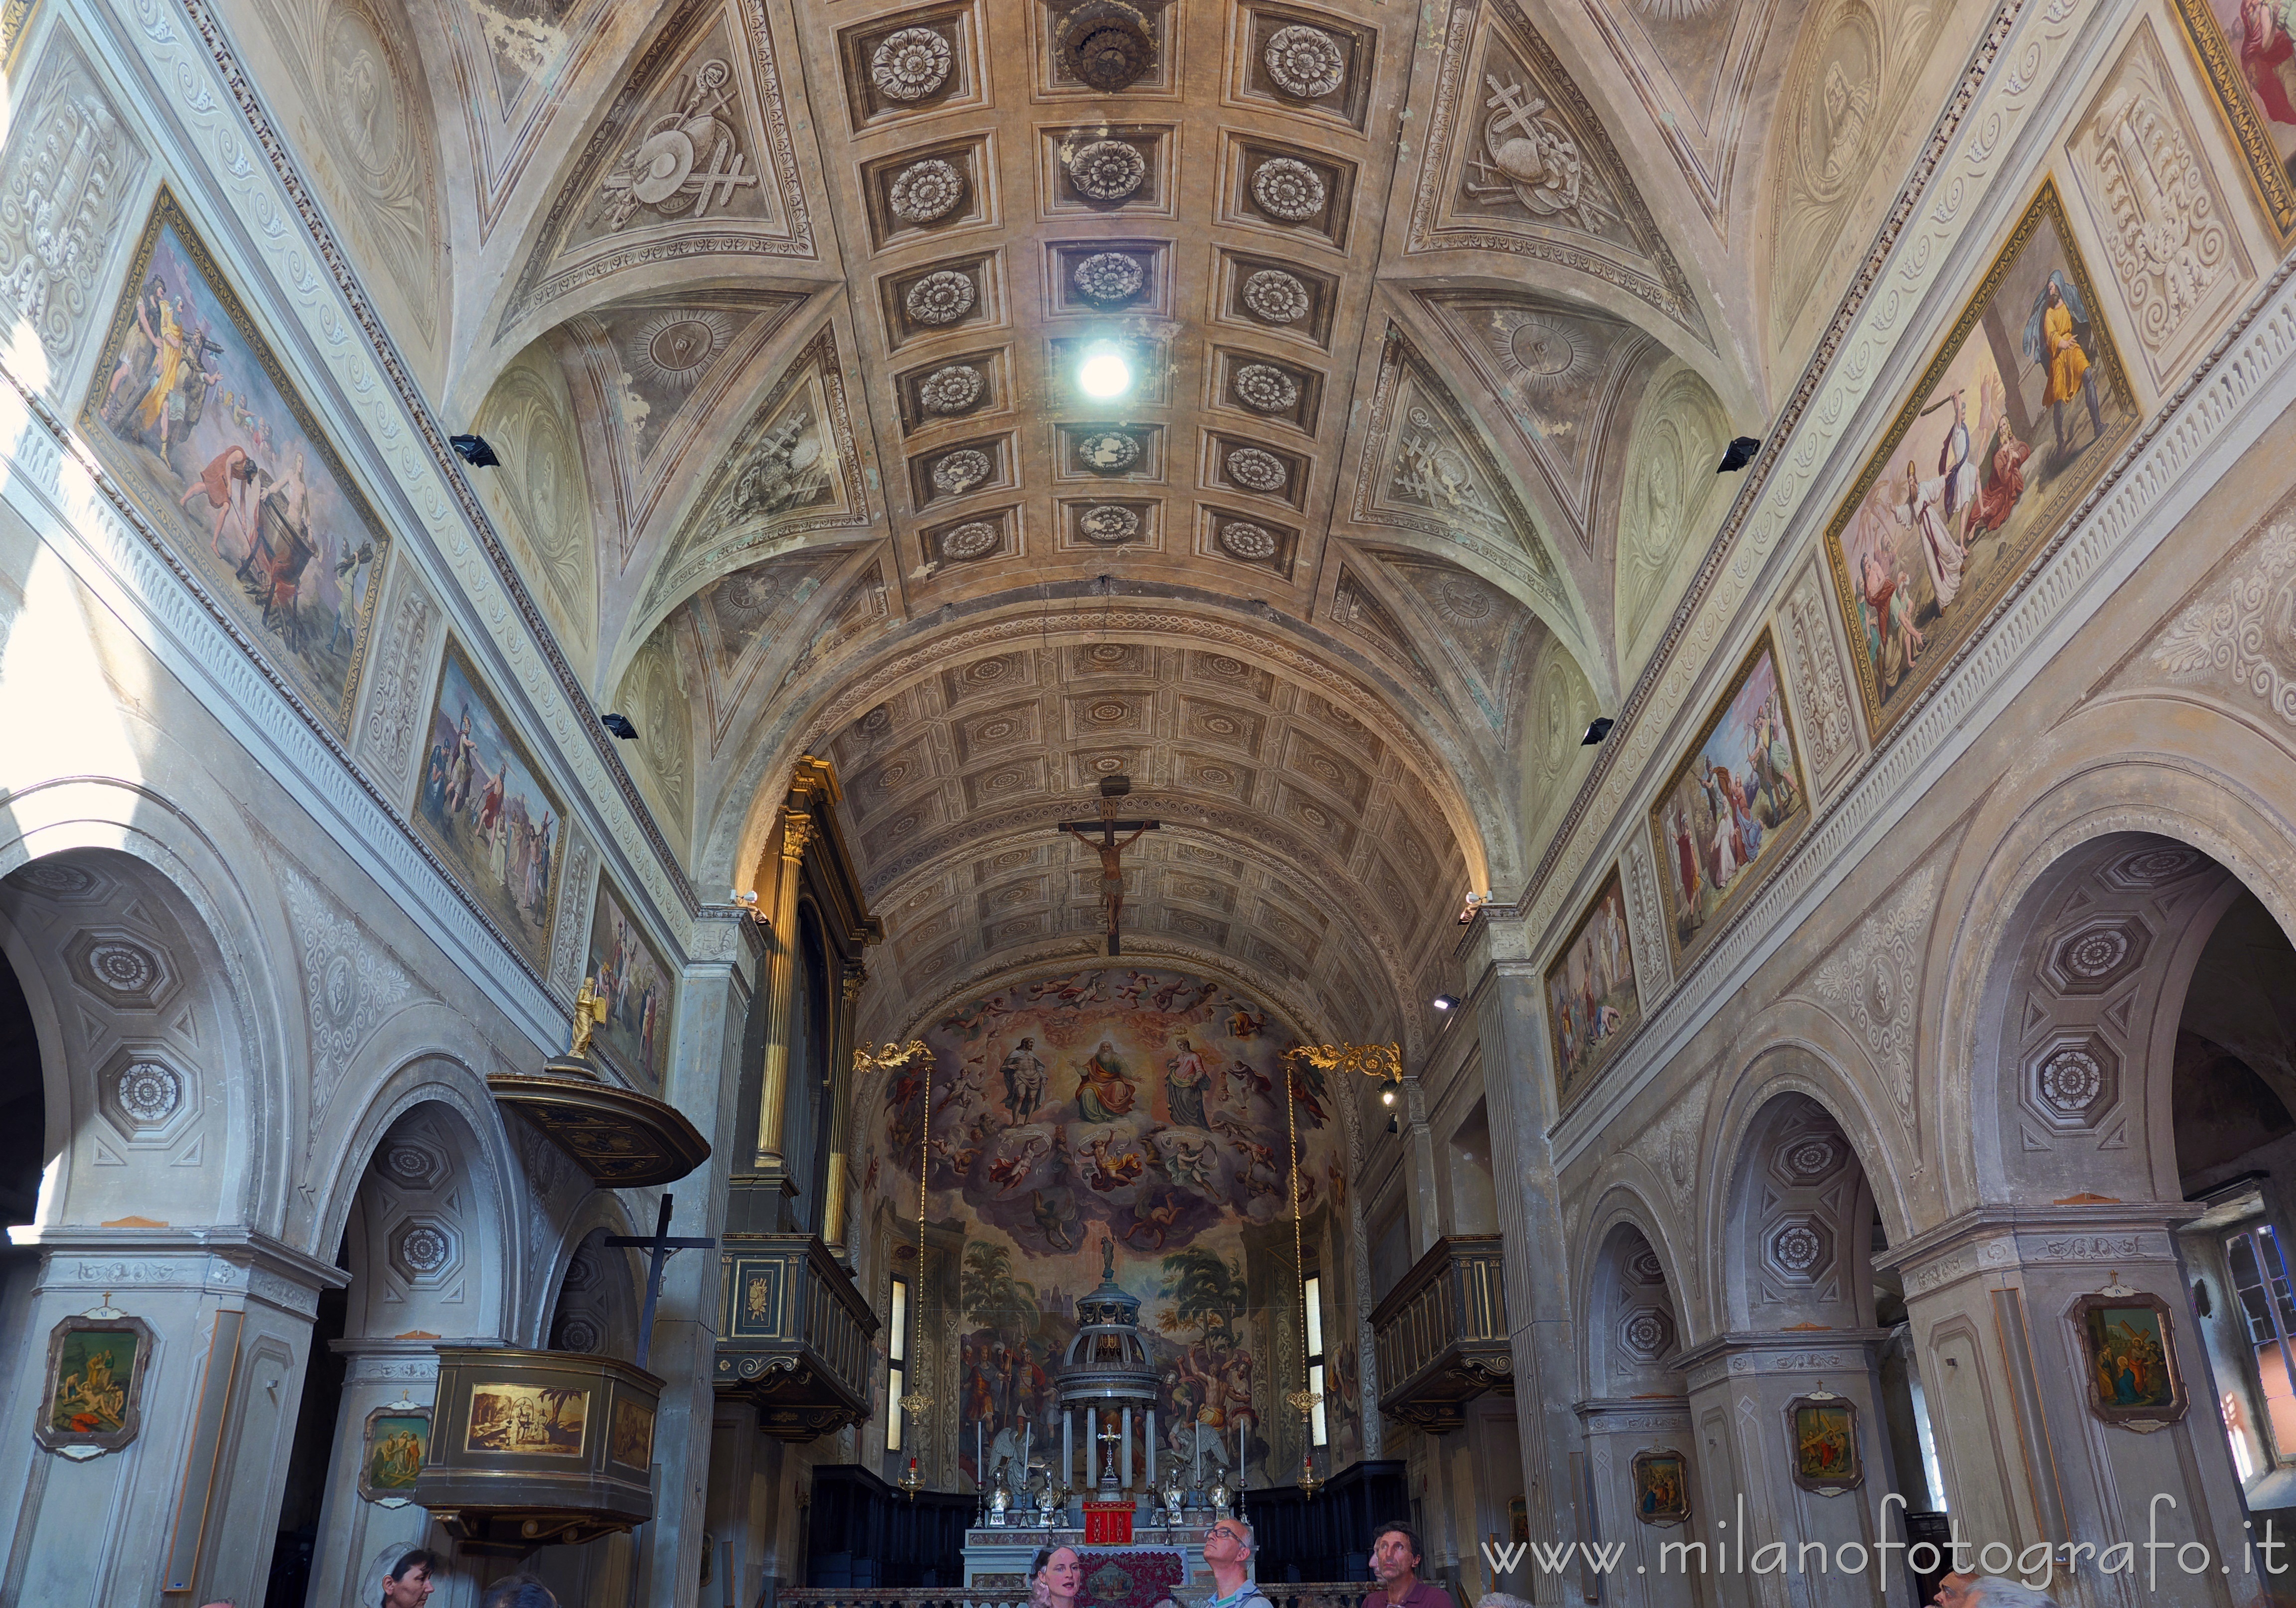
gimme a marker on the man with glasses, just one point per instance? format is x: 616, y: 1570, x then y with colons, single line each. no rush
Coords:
x: 1395, y: 1557
x: 1228, y: 1553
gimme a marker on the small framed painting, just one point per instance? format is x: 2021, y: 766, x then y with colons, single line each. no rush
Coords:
x: 2128, y: 1353
x: 1822, y: 1429
x: 1591, y: 998
x: 1662, y: 1488
x: 94, y: 1402
x: 633, y: 1438
x: 390, y: 1456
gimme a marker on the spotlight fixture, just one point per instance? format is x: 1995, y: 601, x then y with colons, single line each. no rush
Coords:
x: 1105, y: 374
x: 620, y: 726
x: 474, y: 451
x: 1445, y: 1003
x: 1598, y: 729
x: 1387, y: 1096
x: 1740, y: 454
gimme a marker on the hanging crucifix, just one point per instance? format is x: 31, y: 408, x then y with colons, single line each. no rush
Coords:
x: 1109, y: 850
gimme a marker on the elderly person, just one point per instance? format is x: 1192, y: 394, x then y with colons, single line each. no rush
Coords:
x: 1228, y: 1545
x: 1988, y: 1591
x: 1055, y: 1578
x: 1395, y: 1558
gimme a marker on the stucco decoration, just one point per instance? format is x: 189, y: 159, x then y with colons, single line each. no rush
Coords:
x: 926, y: 192
x: 1853, y: 66
x: 1287, y: 189
x: 1108, y: 170
x: 1517, y: 161
x: 653, y: 697
x: 402, y: 674
x: 1558, y: 374
x: 2170, y: 242
x: 539, y: 497
x: 1144, y: 1110
x: 2225, y: 640
x: 1873, y: 983
x: 1423, y: 469
x: 1670, y: 505
x: 362, y: 116
x: 1306, y: 63
x: 940, y: 298
x: 692, y: 158
x: 70, y: 167
x: 1821, y: 684
x: 951, y: 389
x: 910, y: 63
x: 1276, y: 297
x: 352, y: 981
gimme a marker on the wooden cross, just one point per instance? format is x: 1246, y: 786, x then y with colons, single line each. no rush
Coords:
x: 660, y: 1246
x: 1110, y: 851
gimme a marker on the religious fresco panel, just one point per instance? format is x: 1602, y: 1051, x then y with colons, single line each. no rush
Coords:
x: 1144, y: 1109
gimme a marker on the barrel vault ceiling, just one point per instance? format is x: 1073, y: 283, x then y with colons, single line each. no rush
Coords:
x: 1440, y: 320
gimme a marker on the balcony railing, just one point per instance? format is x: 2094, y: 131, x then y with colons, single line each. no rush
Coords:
x: 1442, y: 1334
x: 794, y: 1335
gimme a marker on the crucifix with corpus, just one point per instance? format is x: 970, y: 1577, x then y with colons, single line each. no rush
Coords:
x: 1110, y: 849
x: 659, y: 1249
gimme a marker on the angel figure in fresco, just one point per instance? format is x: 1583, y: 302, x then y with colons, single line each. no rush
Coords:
x: 2268, y: 57
x: 1055, y: 1218
x: 1113, y: 1165
x: 1010, y: 1172
x: 1158, y: 1219
x: 1104, y: 1094
x: 2052, y: 339
x: 1191, y: 1163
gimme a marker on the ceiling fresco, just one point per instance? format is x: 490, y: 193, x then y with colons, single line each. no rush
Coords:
x: 775, y: 312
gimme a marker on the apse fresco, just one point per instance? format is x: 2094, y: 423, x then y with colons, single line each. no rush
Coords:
x: 1144, y: 1108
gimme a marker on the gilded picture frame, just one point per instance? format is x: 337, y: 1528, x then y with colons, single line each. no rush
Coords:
x: 639, y: 989
x: 1715, y: 838
x: 1918, y: 560
x: 1662, y: 1486
x: 93, y: 1401
x: 1823, y: 1443
x: 393, y: 1445
x: 2263, y: 161
x: 197, y: 421
x: 1592, y: 998
x: 2128, y: 1361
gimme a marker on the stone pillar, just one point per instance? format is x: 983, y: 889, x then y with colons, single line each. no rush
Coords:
x: 1091, y: 1448
x: 1124, y: 1449
x: 797, y: 829
x: 1994, y: 1298
x: 1742, y: 1390
x: 1067, y: 1446
x: 353, y: 1528
x: 184, y: 1503
x: 839, y: 1163
x: 1502, y: 989
x: 1148, y: 1445
x: 704, y: 1082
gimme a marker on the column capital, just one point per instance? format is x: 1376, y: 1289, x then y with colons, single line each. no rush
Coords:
x: 798, y: 829
x: 1998, y: 1238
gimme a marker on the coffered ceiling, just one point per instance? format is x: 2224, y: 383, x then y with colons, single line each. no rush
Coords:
x: 773, y: 312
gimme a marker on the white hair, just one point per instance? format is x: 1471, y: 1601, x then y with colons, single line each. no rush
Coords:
x: 1999, y: 1591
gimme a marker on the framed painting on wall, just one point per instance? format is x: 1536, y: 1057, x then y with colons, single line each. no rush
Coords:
x: 191, y: 413
x: 1662, y: 1488
x: 397, y: 1439
x: 93, y: 1403
x: 1591, y: 999
x: 638, y: 990
x: 2248, y: 54
x: 2129, y: 1355
x: 483, y: 807
x: 2023, y: 407
x: 1733, y: 807
x: 1822, y: 1438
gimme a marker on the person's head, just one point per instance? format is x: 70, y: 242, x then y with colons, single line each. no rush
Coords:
x: 406, y: 1581
x: 1229, y: 1543
x: 518, y: 1591
x: 1988, y: 1591
x: 1394, y: 1552
x: 1058, y: 1573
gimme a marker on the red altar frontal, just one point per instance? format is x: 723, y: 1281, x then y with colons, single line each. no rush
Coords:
x: 1108, y: 1523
